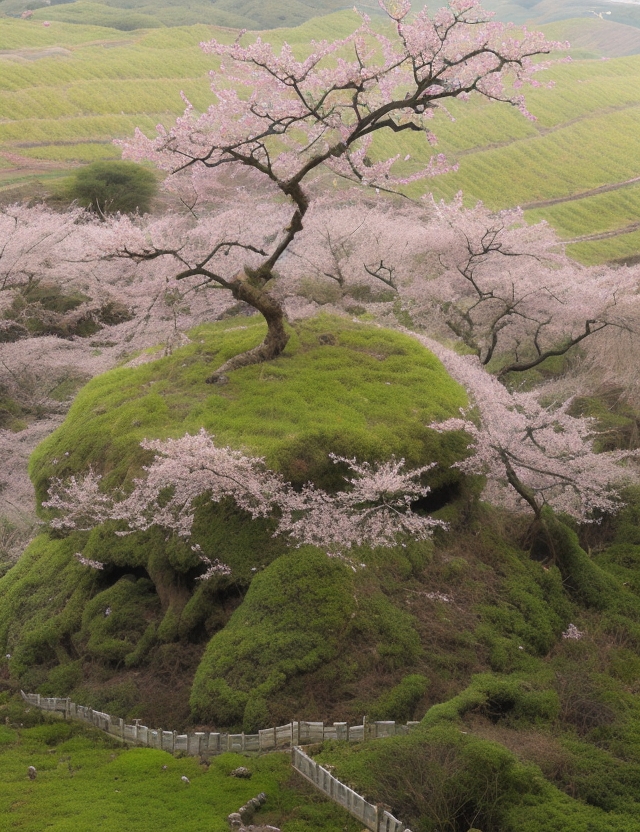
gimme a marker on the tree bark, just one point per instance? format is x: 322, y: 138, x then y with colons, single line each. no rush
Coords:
x: 276, y: 339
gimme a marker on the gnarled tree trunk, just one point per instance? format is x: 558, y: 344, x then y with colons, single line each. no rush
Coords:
x: 276, y: 339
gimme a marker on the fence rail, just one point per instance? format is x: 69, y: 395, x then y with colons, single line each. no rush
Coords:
x: 376, y: 818
x: 205, y: 743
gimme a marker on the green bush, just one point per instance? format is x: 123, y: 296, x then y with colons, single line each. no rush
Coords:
x: 497, y: 698
x: 439, y: 779
x: 400, y: 702
x: 113, y: 187
x: 307, y: 623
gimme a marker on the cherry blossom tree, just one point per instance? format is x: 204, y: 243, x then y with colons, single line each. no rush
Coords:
x: 534, y: 454
x: 508, y: 291
x: 280, y: 120
x: 504, y: 288
x: 31, y: 240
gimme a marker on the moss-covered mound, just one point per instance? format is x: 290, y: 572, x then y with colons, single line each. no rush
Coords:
x: 135, y: 631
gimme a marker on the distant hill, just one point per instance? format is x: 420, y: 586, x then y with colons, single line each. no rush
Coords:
x: 128, y: 15
x: 610, y: 40
x: 549, y: 11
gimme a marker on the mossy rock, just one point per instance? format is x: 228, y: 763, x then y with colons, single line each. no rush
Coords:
x: 370, y: 393
x: 364, y: 392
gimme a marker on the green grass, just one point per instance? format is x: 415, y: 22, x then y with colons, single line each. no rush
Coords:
x: 622, y: 247
x: 87, y: 781
x: 592, y: 215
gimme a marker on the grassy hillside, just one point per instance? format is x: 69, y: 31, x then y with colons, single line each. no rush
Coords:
x: 547, y: 742
x: 547, y: 11
x: 127, y: 15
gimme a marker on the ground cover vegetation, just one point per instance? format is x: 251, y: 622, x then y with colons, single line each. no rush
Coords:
x: 511, y: 623
x: 83, y: 778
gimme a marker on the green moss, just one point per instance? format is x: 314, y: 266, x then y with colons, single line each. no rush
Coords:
x: 290, y: 622
x: 43, y: 598
x: 584, y: 579
x: 368, y: 395
x: 304, y: 617
x: 115, y: 619
x: 499, y: 697
x: 400, y: 702
x: 62, y: 679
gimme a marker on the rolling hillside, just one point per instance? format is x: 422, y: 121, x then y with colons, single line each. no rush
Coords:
x: 66, y: 91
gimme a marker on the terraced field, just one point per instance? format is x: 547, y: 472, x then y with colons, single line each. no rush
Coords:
x: 67, y: 90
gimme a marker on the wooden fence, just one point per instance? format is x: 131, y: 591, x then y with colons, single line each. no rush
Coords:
x: 204, y: 743
x: 373, y: 817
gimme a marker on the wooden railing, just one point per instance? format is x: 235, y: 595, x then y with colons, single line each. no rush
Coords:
x: 374, y: 817
x: 200, y: 743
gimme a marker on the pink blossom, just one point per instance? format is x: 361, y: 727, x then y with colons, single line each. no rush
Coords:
x: 374, y: 510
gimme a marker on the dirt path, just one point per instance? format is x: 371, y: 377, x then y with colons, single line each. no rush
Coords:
x: 606, y: 235
x: 603, y: 189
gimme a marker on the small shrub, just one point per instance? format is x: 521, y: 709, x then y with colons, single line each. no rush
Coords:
x: 400, y: 702
x: 114, y: 187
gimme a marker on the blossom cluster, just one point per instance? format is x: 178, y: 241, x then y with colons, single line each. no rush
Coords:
x: 374, y: 510
x: 572, y: 633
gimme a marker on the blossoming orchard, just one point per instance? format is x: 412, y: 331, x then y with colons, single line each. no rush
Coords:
x: 258, y: 224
